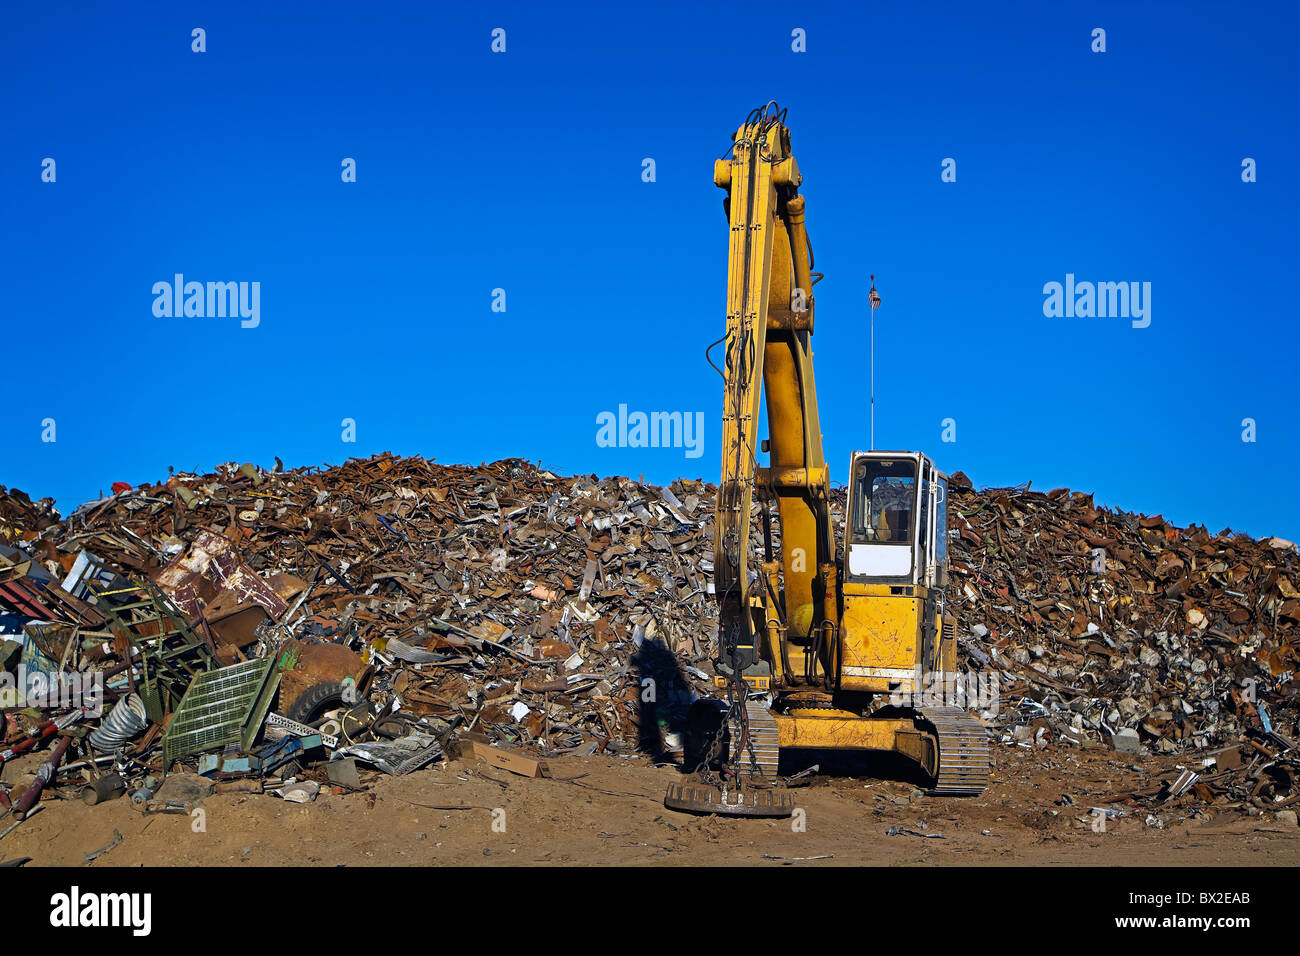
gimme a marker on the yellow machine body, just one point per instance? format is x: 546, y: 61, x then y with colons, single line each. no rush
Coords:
x: 844, y: 633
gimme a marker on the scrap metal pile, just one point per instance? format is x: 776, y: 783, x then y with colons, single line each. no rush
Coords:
x: 1112, y: 627
x: 388, y: 610
x: 273, y: 628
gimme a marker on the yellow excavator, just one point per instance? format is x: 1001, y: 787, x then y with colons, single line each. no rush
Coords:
x: 821, y: 645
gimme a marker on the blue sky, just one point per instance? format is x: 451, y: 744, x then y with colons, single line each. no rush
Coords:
x: 522, y: 171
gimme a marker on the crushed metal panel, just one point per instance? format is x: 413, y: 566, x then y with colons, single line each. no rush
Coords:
x: 87, y: 570
x: 213, y: 561
x: 24, y: 601
x: 221, y: 708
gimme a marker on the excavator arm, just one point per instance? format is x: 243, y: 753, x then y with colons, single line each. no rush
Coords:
x: 770, y: 309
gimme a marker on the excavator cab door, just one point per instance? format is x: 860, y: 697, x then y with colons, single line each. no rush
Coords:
x: 934, y: 491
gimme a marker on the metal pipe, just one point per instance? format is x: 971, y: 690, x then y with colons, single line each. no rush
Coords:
x: 86, y: 764
x: 11, y: 829
x: 125, y: 721
x: 43, y: 732
x: 108, y: 787
x: 43, y: 776
x: 40, y: 734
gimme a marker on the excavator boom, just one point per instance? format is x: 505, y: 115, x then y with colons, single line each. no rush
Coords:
x: 770, y: 309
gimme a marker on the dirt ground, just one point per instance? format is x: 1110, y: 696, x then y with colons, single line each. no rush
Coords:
x: 604, y: 810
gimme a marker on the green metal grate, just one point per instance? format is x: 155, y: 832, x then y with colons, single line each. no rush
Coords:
x: 170, y: 652
x: 221, y: 708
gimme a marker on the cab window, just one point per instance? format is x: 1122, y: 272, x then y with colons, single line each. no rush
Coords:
x: 884, y: 496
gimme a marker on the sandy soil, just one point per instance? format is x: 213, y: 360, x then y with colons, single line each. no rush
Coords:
x: 602, y: 810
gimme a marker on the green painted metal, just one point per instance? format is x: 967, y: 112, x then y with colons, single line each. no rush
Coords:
x: 222, y: 708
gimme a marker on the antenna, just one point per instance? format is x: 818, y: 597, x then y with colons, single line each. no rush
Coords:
x: 874, y: 298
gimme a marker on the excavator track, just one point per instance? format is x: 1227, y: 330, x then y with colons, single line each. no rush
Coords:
x: 961, y: 766
x: 763, y: 748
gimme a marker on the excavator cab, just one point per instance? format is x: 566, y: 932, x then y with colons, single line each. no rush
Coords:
x: 897, y: 519
x: 895, y: 562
